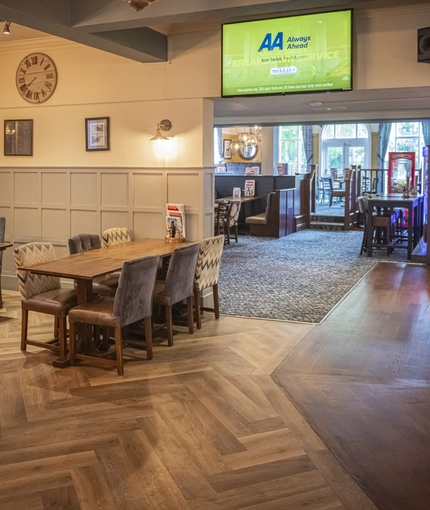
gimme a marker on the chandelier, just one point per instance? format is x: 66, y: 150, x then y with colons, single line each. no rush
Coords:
x: 247, y: 140
x: 139, y: 5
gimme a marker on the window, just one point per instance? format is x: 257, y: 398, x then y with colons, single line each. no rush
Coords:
x: 291, y: 149
x: 344, y: 145
x: 406, y: 137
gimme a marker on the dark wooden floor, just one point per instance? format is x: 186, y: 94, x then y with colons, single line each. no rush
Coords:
x: 362, y: 381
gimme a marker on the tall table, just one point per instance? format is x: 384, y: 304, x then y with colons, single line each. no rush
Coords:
x: 415, y: 207
x: 3, y: 246
x: 84, y: 267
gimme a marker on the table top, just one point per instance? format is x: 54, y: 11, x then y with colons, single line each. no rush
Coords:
x: 394, y: 198
x: 236, y: 199
x: 89, y: 264
x: 3, y: 246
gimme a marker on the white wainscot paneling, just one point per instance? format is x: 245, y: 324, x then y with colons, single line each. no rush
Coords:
x: 114, y: 190
x: 27, y: 189
x: 84, y: 222
x: 149, y: 225
x: 149, y: 190
x: 6, y: 195
x: 208, y: 188
x: 7, y: 212
x: 55, y: 225
x: 27, y: 223
x: 209, y: 221
x: 192, y: 227
x: 184, y: 189
x: 83, y: 188
x: 54, y: 188
x: 111, y: 219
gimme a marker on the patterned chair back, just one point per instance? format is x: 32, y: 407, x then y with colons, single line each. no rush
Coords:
x: 29, y: 283
x: 209, y: 261
x: 113, y: 236
x: 234, y: 213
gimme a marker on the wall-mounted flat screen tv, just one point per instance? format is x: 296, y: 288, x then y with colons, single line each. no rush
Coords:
x: 309, y: 53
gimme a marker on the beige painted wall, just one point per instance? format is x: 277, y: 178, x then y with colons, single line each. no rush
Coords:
x: 62, y: 190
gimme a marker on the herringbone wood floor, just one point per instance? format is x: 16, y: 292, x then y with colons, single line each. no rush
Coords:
x: 201, y: 426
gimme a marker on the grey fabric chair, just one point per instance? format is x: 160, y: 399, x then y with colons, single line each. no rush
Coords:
x: 132, y: 303
x: 2, y: 231
x: 104, y: 285
x: 179, y: 285
x: 43, y: 294
x: 207, y: 274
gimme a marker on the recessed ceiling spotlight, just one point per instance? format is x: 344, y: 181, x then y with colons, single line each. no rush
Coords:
x: 315, y: 103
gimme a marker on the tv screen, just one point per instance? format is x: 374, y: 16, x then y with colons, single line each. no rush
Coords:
x: 309, y: 53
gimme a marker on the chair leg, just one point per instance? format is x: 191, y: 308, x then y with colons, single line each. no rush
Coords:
x: 56, y: 327
x: 236, y: 231
x: 169, y: 325
x: 148, y: 337
x: 62, y: 326
x: 197, y: 309
x: 24, y: 327
x: 190, y: 302
x: 216, y: 300
x: 72, y: 343
x: 118, y: 350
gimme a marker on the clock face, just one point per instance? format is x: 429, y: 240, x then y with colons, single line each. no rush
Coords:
x: 36, y: 78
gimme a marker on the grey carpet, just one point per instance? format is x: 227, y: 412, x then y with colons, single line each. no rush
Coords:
x: 298, y: 278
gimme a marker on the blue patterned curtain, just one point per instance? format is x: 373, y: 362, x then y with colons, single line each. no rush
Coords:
x: 309, y: 145
x: 219, y: 142
x: 384, y: 138
x: 426, y: 131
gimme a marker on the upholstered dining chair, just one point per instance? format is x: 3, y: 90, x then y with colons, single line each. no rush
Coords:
x: 335, y: 192
x: 207, y: 274
x: 132, y: 303
x: 178, y: 286
x: 43, y: 294
x: 2, y: 231
x: 113, y: 236
x: 104, y: 285
x: 233, y: 220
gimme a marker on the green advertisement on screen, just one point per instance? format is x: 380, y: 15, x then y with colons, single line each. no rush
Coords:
x: 310, y: 53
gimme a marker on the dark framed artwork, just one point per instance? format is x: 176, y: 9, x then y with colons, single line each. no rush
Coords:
x: 226, y: 148
x: 97, y: 134
x: 18, y: 137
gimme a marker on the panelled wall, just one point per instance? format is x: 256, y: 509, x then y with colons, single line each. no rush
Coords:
x: 56, y: 203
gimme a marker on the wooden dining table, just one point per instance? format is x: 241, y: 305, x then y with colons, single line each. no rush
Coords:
x: 415, y: 207
x: 84, y: 267
x: 3, y: 247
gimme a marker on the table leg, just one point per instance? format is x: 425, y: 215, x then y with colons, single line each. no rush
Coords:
x: 369, y: 231
x: 411, y: 224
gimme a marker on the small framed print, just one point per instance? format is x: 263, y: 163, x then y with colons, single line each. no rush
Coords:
x: 226, y: 148
x: 18, y: 137
x: 97, y: 134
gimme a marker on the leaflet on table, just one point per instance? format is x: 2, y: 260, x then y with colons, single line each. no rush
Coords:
x: 249, y: 188
x: 175, y: 221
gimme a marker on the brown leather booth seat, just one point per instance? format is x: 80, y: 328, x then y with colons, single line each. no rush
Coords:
x: 278, y: 220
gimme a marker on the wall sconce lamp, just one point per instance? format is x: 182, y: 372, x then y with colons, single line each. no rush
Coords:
x: 6, y: 29
x: 164, y: 125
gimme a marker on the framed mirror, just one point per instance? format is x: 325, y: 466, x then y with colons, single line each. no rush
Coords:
x: 248, y: 152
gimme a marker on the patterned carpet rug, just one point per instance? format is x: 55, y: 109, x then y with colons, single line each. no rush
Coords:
x: 297, y: 278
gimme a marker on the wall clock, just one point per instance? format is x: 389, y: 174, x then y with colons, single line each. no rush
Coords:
x: 36, y: 78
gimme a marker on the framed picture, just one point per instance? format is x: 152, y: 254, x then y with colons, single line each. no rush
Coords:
x: 226, y: 149
x: 97, y: 134
x: 18, y: 137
